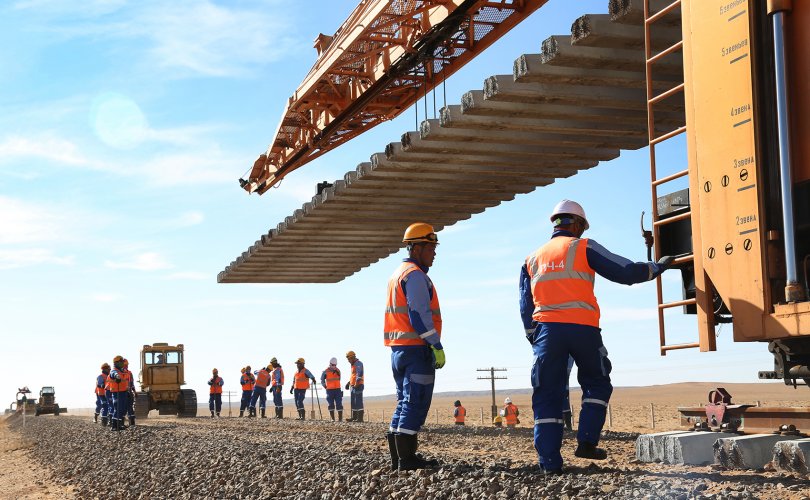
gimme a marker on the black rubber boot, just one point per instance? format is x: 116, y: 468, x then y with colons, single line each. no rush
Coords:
x: 218, y: 415
x: 567, y: 421
x: 95, y: 418
x: 279, y: 412
x: 590, y: 451
x: 406, y: 451
x: 263, y: 414
x: 332, y: 414
x: 359, y: 416
x: 241, y: 413
x: 212, y: 414
x: 132, y: 421
x: 340, y: 415
x: 392, y: 449
x: 302, y: 414
x: 431, y: 462
x: 104, y: 421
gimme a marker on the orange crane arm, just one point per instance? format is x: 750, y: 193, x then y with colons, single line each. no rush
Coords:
x: 385, y: 56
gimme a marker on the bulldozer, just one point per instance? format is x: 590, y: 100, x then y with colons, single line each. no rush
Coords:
x: 22, y: 403
x: 161, y: 380
x: 47, y: 402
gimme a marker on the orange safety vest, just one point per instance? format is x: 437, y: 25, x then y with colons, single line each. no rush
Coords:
x: 129, y: 379
x: 562, y: 283
x: 281, y: 376
x: 100, y: 390
x: 119, y: 385
x: 248, y: 380
x: 354, y: 379
x: 398, y: 328
x: 215, y: 387
x: 263, y: 378
x: 300, y: 379
x: 510, y: 412
x: 332, y: 378
x: 461, y: 414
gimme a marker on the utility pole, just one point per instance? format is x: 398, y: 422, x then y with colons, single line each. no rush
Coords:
x: 492, y: 378
x: 229, y: 394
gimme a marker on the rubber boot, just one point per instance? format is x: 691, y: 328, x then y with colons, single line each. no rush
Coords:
x: 241, y: 413
x: 218, y: 415
x: 406, y: 451
x: 359, y: 416
x: 132, y: 421
x: 351, y: 419
x: 212, y: 414
x: 340, y: 415
x: 590, y: 451
x: 302, y: 414
x: 252, y: 413
x: 567, y: 420
x: 104, y: 421
x: 115, y: 425
x: 95, y: 418
x: 263, y: 414
x: 279, y: 413
x: 392, y: 449
x: 430, y: 461
x: 332, y: 414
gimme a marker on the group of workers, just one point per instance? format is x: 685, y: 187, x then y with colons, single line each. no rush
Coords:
x: 115, y: 395
x: 560, y: 316
x: 509, y: 413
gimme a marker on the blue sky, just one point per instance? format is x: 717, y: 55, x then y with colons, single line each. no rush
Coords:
x: 123, y: 131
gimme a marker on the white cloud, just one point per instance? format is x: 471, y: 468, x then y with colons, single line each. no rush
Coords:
x: 625, y: 314
x: 26, y: 257
x: 149, y: 261
x: 25, y: 222
x: 186, y: 219
x: 191, y: 275
x: 46, y: 147
x: 106, y: 297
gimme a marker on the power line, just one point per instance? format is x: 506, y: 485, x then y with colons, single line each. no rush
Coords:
x: 492, y: 378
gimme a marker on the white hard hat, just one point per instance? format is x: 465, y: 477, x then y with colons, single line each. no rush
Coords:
x: 333, y: 361
x: 507, y: 401
x: 569, y: 207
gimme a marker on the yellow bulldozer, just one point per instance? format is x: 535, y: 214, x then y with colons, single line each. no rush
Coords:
x: 161, y: 378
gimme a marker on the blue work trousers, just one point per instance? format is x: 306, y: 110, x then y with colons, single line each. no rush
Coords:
x: 334, y: 399
x: 120, y: 400
x: 356, y: 397
x: 299, y: 395
x: 277, y: 397
x: 215, y: 402
x: 245, y: 400
x: 414, y: 375
x: 131, y: 404
x: 552, y: 344
x: 260, y: 394
x: 101, y: 405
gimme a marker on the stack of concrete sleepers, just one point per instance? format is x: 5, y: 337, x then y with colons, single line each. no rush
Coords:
x: 577, y: 103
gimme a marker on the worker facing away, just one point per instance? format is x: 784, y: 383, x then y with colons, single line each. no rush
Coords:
x: 260, y: 391
x: 413, y: 328
x: 330, y: 380
x: 459, y: 413
x: 300, y: 385
x: 215, y: 393
x: 355, y: 386
x: 247, y: 380
x: 510, y: 413
x: 119, y: 389
x: 101, y: 397
x: 276, y: 383
x: 130, y: 392
x: 561, y: 319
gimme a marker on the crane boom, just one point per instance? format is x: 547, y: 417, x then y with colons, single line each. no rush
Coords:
x: 384, y: 57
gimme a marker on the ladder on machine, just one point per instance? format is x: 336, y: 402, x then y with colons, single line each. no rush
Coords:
x: 653, y: 100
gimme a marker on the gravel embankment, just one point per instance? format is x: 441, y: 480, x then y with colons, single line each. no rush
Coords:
x: 240, y: 458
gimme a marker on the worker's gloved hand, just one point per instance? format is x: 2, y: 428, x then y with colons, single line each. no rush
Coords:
x: 291, y: 389
x: 662, y: 265
x: 438, y: 357
x: 348, y: 385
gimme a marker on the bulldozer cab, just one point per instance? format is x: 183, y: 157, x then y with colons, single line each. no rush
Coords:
x: 162, y: 367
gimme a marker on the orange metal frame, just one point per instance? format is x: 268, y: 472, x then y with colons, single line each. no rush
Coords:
x: 384, y: 57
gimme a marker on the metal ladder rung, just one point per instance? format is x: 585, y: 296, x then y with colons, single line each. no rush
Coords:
x: 669, y: 135
x: 684, y: 259
x: 669, y: 50
x: 663, y: 12
x: 677, y: 303
x: 674, y: 218
x: 677, y: 175
x: 673, y: 347
x: 669, y: 93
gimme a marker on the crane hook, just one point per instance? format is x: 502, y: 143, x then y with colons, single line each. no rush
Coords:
x: 648, y: 238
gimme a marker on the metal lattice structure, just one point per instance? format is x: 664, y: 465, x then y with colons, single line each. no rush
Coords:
x: 384, y: 57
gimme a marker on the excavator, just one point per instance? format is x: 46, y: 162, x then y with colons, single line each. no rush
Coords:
x: 726, y: 78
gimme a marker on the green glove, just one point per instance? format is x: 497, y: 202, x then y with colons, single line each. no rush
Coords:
x: 438, y: 357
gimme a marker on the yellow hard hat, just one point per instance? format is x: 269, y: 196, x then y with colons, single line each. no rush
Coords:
x: 241, y: 370
x: 420, y: 232
x: 117, y: 359
x: 300, y: 360
x: 351, y: 354
x: 269, y: 367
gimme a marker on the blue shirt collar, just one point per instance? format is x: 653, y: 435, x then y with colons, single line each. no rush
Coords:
x: 423, y: 268
x: 562, y: 232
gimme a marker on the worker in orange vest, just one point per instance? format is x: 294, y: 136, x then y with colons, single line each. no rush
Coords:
x: 247, y: 380
x: 561, y: 319
x: 119, y: 388
x: 413, y: 329
x: 215, y: 393
x: 330, y: 380
x: 130, y: 393
x: 101, y: 397
x: 260, y: 391
x: 355, y: 386
x: 300, y: 385
x: 460, y: 413
x: 276, y: 383
x: 510, y: 413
